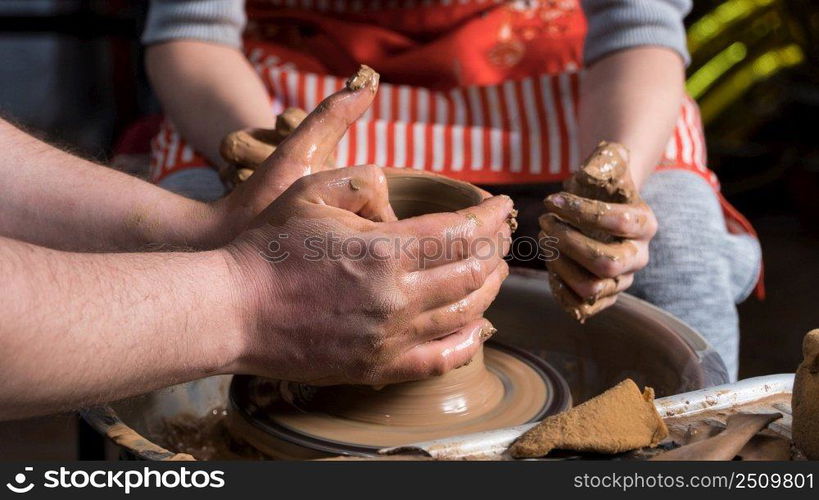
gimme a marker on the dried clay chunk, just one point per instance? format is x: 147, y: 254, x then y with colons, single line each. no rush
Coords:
x: 619, y: 420
x: 805, y: 401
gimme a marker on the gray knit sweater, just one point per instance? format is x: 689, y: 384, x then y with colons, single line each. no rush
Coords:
x: 613, y: 24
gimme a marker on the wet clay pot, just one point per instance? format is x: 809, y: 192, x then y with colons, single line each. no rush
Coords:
x: 501, y: 387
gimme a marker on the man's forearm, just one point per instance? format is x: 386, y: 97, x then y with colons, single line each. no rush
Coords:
x: 207, y: 90
x: 54, y: 199
x: 85, y: 328
x: 632, y: 97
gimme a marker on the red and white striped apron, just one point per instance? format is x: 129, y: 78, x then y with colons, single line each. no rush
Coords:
x: 481, y: 90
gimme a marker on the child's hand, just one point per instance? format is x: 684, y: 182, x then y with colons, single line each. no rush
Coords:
x: 602, y: 228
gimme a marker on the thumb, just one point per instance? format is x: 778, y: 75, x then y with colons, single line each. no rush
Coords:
x: 307, y: 148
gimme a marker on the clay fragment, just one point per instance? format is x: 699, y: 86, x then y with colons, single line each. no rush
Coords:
x: 364, y: 77
x: 805, y: 401
x: 512, y: 220
x: 616, y: 421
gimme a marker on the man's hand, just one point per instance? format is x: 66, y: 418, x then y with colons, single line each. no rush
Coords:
x: 82, y: 328
x: 340, y: 292
x: 303, y: 151
x: 602, y: 230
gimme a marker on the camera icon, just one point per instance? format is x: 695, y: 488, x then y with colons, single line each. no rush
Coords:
x: 20, y: 478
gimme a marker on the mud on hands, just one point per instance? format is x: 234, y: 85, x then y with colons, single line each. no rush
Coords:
x: 265, y: 162
x: 369, y: 320
x: 602, y: 228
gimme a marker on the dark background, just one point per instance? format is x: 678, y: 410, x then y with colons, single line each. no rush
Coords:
x: 71, y: 72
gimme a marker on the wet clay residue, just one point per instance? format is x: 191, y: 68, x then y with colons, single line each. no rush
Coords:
x: 512, y: 220
x: 621, y: 419
x: 206, y: 438
x: 365, y: 77
x: 805, y: 401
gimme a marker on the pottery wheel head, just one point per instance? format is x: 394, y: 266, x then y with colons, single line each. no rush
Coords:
x: 503, y: 387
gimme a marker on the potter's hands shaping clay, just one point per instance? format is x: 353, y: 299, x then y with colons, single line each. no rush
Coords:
x: 339, y: 291
x: 602, y: 229
x: 300, y: 145
x: 805, y: 402
x: 621, y: 419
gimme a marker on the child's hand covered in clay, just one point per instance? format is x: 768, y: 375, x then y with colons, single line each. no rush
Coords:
x: 317, y: 315
x: 602, y: 230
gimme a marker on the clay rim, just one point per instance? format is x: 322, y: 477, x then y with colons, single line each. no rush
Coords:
x: 239, y: 401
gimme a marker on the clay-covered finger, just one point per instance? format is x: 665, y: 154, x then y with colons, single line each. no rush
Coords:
x: 621, y: 220
x: 361, y: 189
x: 442, y: 285
x: 443, y: 238
x: 319, y: 133
x: 453, y: 316
x: 605, y: 260
x: 573, y: 304
x: 437, y: 357
x: 586, y: 285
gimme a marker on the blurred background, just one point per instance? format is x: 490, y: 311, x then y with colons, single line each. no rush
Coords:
x: 71, y: 73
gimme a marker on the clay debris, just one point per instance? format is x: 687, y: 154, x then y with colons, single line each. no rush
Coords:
x: 364, y: 77
x: 619, y: 420
x: 805, y: 401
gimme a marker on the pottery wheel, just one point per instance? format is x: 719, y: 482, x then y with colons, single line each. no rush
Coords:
x: 502, y: 387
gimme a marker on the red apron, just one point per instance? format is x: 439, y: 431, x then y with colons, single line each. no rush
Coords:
x: 481, y: 90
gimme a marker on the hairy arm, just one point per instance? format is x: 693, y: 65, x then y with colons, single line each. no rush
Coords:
x: 87, y: 328
x: 207, y: 90
x: 54, y: 199
x: 632, y: 97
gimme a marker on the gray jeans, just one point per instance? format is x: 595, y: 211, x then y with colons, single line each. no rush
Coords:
x: 698, y: 271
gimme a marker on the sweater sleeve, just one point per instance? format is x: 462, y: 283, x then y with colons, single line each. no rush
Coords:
x: 218, y: 21
x: 620, y: 24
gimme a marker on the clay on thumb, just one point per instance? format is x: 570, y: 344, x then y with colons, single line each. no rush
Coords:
x: 619, y: 420
x: 805, y: 402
